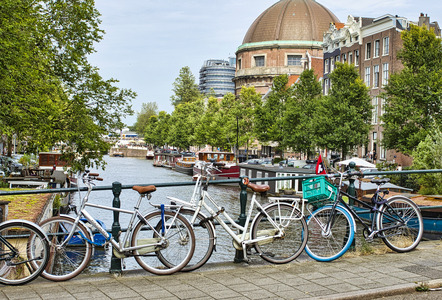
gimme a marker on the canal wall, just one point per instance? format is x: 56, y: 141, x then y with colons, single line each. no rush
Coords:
x: 128, y: 152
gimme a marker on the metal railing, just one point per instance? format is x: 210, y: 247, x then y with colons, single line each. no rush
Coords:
x: 117, y: 188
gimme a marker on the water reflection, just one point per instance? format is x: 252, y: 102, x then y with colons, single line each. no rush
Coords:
x: 131, y: 171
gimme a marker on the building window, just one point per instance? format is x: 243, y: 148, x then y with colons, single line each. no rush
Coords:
x: 386, y: 46
x: 337, y: 58
x: 332, y: 64
x: 326, y: 66
x: 326, y: 86
x: 374, y: 103
x: 367, y: 76
x: 294, y: 60
x: 382, y: 107
x: 376, y: 76
x: 385, y: 74
x: 377, y: 48
x: 350, y: 57
x: 356, y: 57
x: 259, y: 61
x: 239, y: 64
x: 344, y: 58
x: 368, y: 51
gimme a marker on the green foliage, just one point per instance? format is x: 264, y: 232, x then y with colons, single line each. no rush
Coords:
x: 50, y: 93
x: 299, y: 117
x: 183, y: 121
x: 413, y: 96
x: 147, y: 110
x: 270, y: 115
x: 185, y: 88
x: 157, y: 129
x: 342, y: 119
x: 428, y: 155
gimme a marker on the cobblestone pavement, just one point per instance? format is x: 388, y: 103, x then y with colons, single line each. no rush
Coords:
x: 393, y: 275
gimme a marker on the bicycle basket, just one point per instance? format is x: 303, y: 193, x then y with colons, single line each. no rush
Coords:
x: 318, y: 191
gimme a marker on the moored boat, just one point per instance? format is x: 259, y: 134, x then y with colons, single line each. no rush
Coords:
x: 150, y: 154
x: 223, y: 161
x: 185, y: 163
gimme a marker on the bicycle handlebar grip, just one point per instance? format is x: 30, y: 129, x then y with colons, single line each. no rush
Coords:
x: 99, y: 179
x: 94, y: 174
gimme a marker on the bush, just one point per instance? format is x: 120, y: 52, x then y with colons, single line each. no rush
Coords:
x: 428, y: 155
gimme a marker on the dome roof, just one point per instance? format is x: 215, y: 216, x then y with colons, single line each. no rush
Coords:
x: 286, y: 20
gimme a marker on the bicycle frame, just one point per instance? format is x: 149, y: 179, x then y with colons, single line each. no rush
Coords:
x: 376, y: 209
x: 119, y: 246
x: 244, y: 238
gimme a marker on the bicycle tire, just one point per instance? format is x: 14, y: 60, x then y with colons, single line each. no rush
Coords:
x: 29, y: 254
x: 205, y: 240
x: 327, y: 247
x: 66, y: 261
x: 179, y: 247
x: 295, y: 234
x: 404, y: 238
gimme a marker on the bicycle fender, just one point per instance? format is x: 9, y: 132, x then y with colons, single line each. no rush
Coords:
x: 81, y: 222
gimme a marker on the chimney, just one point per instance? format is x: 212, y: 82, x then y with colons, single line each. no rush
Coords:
x: 424, y: 20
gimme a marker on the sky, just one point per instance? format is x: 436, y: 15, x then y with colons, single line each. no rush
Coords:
x: 147, y: 42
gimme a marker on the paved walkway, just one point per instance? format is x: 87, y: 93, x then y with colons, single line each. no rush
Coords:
x: 350, y: 277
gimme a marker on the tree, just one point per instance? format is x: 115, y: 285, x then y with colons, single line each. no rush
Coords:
x: 185, y: 88
x: 147, y: 110
x: 157, y: 129
x: 50, y: 92
x: 428, y: 155
x: 244, y: 112
x: 183, y: 121
x: 342, y: 119
x: 413, y: 96
x: 300, y: 113
x: 208, y: 130
x: 270, y: 116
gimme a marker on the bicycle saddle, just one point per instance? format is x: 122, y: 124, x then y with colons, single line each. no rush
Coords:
x: 258, y: 188
x: 144, y: 189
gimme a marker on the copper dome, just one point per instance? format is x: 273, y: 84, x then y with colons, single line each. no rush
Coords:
x: 286, y: 20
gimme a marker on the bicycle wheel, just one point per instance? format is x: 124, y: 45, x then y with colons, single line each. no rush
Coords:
x: 401, y: 224
x: 279, y: 250
x: 177, y: 238
x: 328, y: 245
x: 24, y: 252
x: 67, y: 259
x: 204, y: 231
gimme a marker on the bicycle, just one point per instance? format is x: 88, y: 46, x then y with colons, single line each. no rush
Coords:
x: 159, y: 235
x: 396, y: 220
x: 278, y: 231
x: 24, y: 252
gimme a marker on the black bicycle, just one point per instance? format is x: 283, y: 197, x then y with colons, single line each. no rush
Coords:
x: 24, y: 252
x: 396, y: 220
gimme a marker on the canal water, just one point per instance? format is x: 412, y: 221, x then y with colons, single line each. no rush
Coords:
x: 136, y: 171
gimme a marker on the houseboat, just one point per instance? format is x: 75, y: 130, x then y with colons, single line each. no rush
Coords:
x: 223, y: 161
x: 185, y: 164
x: 166, y: 159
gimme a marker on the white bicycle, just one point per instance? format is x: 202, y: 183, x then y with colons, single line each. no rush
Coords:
x: 278, y: 232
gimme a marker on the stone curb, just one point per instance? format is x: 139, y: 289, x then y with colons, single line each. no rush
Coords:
x: 381, y: 292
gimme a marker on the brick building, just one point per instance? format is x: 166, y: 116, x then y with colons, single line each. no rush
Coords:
x: 372, y: 45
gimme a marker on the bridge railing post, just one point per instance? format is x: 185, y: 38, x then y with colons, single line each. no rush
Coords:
x: 239, y: 255
x: 115, y: 267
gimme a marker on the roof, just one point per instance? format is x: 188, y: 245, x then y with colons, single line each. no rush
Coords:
x: 286, y: 20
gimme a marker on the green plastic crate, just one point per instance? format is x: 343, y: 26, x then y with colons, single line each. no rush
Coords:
x: 318, y: 191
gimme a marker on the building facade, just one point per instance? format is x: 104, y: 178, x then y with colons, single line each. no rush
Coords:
x: 217, y: 75
x: 372, y: 45
x: 285, y: 39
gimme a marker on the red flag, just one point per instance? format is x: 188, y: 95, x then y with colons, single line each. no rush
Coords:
x: 320, y: 168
